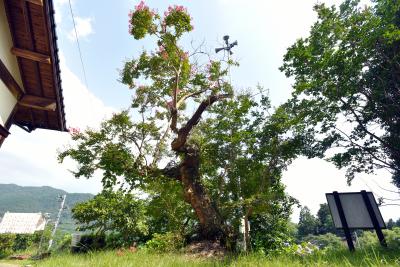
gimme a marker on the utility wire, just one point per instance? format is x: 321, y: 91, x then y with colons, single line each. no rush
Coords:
x: 77, y: 41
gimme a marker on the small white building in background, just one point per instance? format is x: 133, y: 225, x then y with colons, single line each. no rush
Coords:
x: 22, y: 223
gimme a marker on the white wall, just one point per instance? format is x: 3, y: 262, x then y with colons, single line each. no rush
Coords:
x: 7, y: 100
x: 7, y: 103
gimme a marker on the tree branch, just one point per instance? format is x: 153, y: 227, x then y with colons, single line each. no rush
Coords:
x: 364, y: 127
x: 180, y: 141
x: 180, y: 102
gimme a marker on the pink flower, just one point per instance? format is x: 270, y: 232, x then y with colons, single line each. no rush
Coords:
x: 184, y: 55
x: 169, y: 104
x: 74, y: 131
x: 174, y: 8
x: 140, y: 6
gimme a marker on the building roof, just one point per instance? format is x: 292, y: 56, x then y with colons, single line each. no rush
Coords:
x: 34, y: 38
x: 22, y: 223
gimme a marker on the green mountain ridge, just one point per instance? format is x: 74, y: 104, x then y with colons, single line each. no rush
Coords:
x: 15, y: 198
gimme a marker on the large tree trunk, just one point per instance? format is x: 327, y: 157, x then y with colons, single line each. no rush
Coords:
x: 210, y: 220
x: 211, y: 223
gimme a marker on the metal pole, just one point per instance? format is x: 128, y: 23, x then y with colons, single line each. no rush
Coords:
x: 343, y: 220
x: 57, y: 221
x: 374, y: 220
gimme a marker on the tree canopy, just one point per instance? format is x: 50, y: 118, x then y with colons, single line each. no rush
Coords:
x: 226, y: 156
x: 346, y: 91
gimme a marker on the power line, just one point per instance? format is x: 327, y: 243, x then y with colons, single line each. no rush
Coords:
x: 77, y: 41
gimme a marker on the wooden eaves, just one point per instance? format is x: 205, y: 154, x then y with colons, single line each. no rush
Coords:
x: 40, y: 101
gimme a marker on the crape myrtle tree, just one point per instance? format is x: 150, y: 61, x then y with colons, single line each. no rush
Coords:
x: 347, y: 86
x: 227, y: 165
x: 165, y: 81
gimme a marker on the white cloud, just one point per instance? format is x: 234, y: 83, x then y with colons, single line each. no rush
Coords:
x: 83, y: 28
x: 58, y: 4
x: 31, y: 158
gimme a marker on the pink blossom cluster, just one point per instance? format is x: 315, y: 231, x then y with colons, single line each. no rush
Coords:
x: 141, y: 88
x: 163, y: 52
x: 214, y: 84
x: 74, y: 131
x: 140, y: 7
x: 169, y: 104
x: 193, y: 70
x: 185, y: 55
x: 174, y: 8
x: 208, y: 66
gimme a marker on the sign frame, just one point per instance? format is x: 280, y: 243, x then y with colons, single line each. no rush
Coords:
x: 369, y: 209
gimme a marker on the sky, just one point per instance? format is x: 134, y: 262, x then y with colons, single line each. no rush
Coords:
x: 263, y: 28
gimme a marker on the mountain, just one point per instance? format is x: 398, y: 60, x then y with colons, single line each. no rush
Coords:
x: 14, y: 198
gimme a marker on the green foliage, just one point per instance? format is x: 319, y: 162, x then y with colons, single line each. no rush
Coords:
x: 307, y: 223
x: 23, y: 241
x: 244, y: 151
x: 144, y: 258
x: 326, y: 241
x: 167, y: 210
x: 113, y: 212
x: 390, y: 224
x: 271, y: 233
x: 141, y: 21
x: 346, y: 88
x: 368, y: 239
x: 393, y: 238
x: 167, y: 242
x: 65, y: 243
x: 6, y: 244
x: 10, y: 243
x: 325, y: 221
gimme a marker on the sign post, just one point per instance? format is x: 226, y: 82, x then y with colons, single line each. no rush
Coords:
x: 375, y: 222
x: 343, y: 220
x: 356, y: 210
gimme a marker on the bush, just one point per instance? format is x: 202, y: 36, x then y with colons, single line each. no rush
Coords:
x: 368, y: 239
x: 116, y: 240
x: 168, y: 242
x: 326, y: 241
x: 392, y: 237
x: 90, y: 242
x: 22, y: 242
x: 65, y: 242
x: 6, y: 244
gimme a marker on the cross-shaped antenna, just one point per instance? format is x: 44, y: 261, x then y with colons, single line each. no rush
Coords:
x: 228, y: 46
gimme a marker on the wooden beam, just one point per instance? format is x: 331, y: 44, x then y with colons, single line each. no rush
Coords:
x: 36, y: 102
x: 31, y: 55
x: 10, y: 82
x: 36, y: 2
x: 3, y: 131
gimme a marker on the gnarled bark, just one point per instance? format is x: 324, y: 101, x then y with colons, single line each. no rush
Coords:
x: 211, y: 223
x: 194, y: 193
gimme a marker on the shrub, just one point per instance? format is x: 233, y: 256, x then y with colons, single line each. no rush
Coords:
x: 392, y: 237
x: 326, y: 241
x: 6, y: 244
x: 168, y: 242
x: 90, y: 242
x: 368, y: 239
x: 22, y: 242
x: 65, y: 242
x: 116, y: 240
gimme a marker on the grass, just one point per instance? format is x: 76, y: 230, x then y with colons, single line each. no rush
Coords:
x: 143, y: 259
